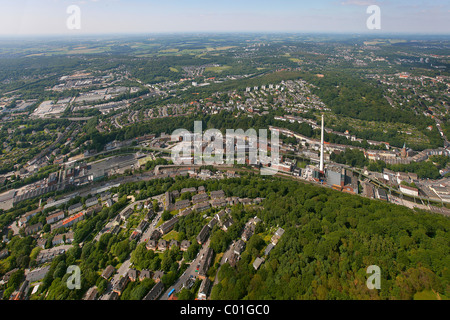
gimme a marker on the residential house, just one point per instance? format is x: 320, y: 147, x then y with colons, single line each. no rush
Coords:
x: 221, y: 216
x: 120, y: 285
x: 54, y: 217
x: 200, y: 207
x: 125, y: 214
x: 162, y: 245
x: 239, y: 247
x: 151, y: 245
x: 132, y: 274
x: 58, y: 239
x: 144, y: 274
x: 248, y: 232
x: 268, y: 249
x: 33, y: 229
x: 175, y: 194
x: 107, y: 273
x: 180, y: 205
x: 234, y: 258
x: 4, y: 253
x: 198, y: 198
x: 191, y: 190
x: 245, y: 201
x: 167, y: 200
x: 257, y: 263
x: 69, y: 221
x: 135, y: 235
x: 277, y: 235
x: 216, y: 203
x: 75, y: 208
x: 201, y: 189
x: 174, y: 242
x: 156, y: 291
x: 69, y: 236
x: 27, y: 216
x: 185, y: 212
x: 91, y: 202
x: 148, y: 205
x: 91, y: 294
x: 185, y: 244
x: 22, y: 221
x: 212, y: 223
x: 409, y: 190
x: 142, y: 226
x: 217, y: 194
x: 205, y: 264
x: 167, y: 226
x: 233, y: 201
x: 41, y: 242
x: 203, y: 235
x: 157, y: 275
x: 227, y: 224
x: 105, y: 196
x: 155, y: 235
x: 256, y: 220
x: 203, y: 292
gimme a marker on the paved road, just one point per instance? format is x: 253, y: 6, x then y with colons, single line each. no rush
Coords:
x: 126, y: 265
x: 123, y: 270
x: 190, y: 271
x: 146, y: 235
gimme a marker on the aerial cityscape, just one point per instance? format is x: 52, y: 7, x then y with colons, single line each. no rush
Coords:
x: 225, y: 165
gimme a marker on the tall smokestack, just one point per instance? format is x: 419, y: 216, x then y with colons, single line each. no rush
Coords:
x: 321, y: 148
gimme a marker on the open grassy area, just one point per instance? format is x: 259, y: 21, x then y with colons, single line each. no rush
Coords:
x: 160, y: 222
x: 217, y: 69
x: 429, y: 295
x: 172, y: 50
x: 296, y: 60
x: 218, y: 258
x: 220, y: 48
x: 171, y: 235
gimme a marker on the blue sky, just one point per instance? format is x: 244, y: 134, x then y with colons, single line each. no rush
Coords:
x: 29, y: 17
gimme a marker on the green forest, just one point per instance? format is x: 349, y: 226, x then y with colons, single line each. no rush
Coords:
x: 330, y: 239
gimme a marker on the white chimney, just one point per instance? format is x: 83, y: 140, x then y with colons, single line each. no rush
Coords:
x: 322, y: 148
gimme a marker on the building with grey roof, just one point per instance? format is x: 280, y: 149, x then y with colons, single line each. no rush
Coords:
x: 203, y: 235
x: 168, y: 225
x: 205, y: 287
x: 257, y: 263
x: 75, y: 208
x: 155, y: 292
x: 198, y: 198
x: 91, y: 202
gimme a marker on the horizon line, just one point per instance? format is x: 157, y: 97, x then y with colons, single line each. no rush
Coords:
x: 346, y: 33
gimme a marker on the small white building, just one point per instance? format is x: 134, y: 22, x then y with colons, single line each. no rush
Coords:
x: 409, y: 191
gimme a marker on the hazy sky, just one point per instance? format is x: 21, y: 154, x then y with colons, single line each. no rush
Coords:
x: 29, y: 17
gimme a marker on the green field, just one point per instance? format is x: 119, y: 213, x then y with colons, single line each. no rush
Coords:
x: 217, y: 69
x: 171, y: 235
x: 429, y: 295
